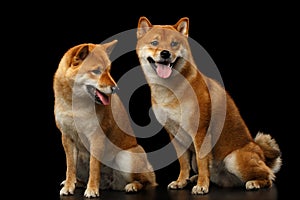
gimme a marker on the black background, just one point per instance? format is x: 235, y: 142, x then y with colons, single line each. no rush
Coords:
x: 250, y: 44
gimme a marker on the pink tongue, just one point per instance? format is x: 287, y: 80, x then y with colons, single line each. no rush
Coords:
x: 163, y: 71
x: 103, y: 98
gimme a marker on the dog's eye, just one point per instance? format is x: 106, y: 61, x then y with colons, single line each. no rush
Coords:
x: 174, y: 44
x: 96, y: 71
x: 154, y: 43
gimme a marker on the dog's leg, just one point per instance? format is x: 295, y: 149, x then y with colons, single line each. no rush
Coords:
x: 92, y: 189
x: 71, y: 156
x: 135, y: 160
x: 126, y: 163
x: 184, y: 163
x: 203, y: 180
x: 97, y: 145
x: 202, y: 186
x: 247, y: 164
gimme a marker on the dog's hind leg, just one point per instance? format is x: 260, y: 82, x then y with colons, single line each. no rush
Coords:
x: 136, y: 169
x: 249, y: 166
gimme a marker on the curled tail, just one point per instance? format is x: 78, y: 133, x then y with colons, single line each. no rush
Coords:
x: 271, y: 150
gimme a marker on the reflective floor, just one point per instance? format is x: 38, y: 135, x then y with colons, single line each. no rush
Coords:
x: 161, y: 192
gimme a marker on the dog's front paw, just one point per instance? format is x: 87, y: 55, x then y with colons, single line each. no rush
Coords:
x: 67, y: 189
x: 133, y: 187
x: 175, y: 185
x: 91, y: 192
x: 198, y: 189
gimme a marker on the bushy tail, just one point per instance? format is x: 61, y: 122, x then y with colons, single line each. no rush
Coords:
x: 271, y: 150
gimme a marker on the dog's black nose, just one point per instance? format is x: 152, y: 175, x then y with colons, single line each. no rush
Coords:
x: 165, y: 54
x: 114, y: 89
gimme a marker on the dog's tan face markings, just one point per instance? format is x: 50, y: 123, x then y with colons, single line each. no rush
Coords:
x: 167, y: 40
x: 92, y: 59
x: 90, y: 69
x: 163, y: 45
x: 97, y: 65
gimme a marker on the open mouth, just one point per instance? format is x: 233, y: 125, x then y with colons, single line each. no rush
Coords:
x: 162, y: 68
x: 98, y: 96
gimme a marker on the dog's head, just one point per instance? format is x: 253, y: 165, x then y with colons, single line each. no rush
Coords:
x: 88, y: 71
x: 162, y: 48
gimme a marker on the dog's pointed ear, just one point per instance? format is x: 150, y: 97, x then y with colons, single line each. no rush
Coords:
x: 143, y: 27
x: 108, y: 47
x: 183, y: 26
x: 80, y: 55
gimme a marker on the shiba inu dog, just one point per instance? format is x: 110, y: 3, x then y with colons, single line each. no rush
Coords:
x: 100, y: 147
x: 204, y: 124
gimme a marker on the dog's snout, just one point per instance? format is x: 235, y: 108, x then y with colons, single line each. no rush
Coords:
x: 165, y: 54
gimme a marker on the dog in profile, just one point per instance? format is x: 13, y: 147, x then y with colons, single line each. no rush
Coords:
x: 202, y: 120
x: 100, y: 147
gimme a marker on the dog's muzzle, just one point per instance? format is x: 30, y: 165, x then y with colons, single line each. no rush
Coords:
x: 164, y: 66
x: 98, y: 96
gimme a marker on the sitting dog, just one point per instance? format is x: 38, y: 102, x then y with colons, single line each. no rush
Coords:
x: 201, y: 118
x: 100, y: 147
